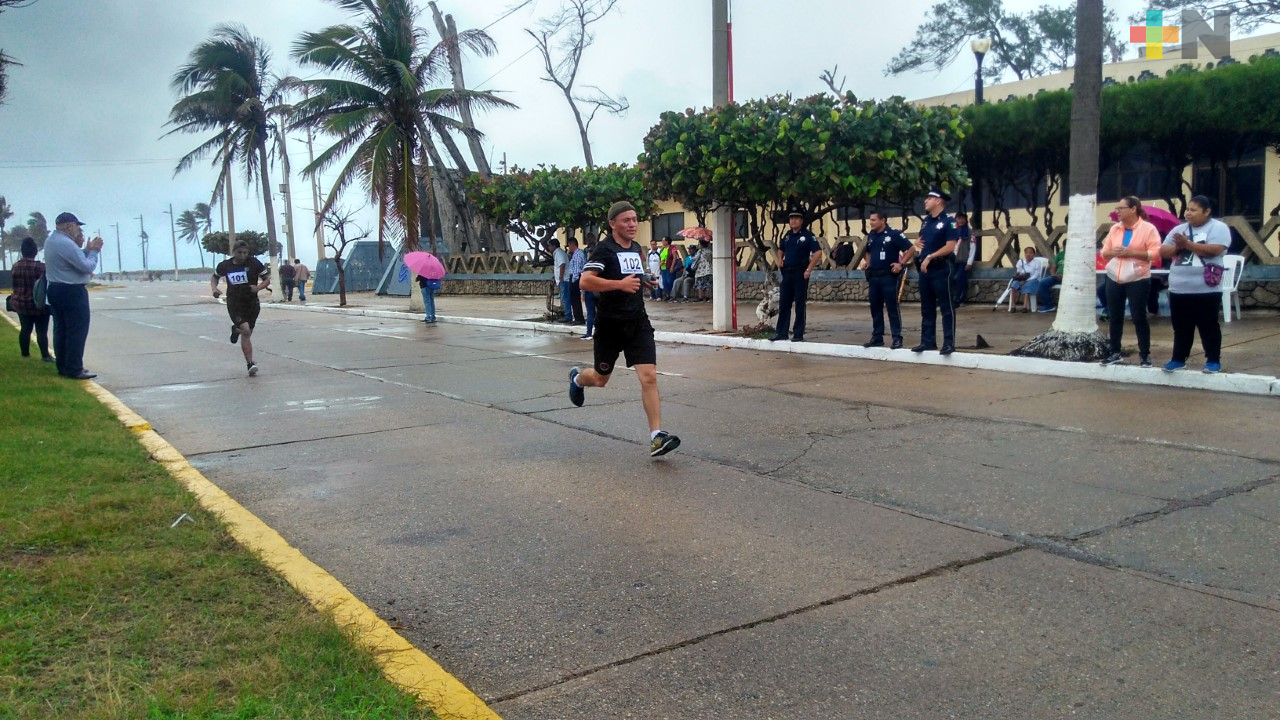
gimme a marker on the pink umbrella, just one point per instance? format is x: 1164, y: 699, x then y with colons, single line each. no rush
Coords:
x: 1164, y: 220
x: 424, y: 264
x: 697, y: 233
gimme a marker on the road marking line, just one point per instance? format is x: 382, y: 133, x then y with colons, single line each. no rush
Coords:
x: 403, y: 664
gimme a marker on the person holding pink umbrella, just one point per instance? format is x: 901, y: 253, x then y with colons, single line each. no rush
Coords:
x: 430, y: 272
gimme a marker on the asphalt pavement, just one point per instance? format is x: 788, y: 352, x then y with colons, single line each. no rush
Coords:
x: 835, y: 538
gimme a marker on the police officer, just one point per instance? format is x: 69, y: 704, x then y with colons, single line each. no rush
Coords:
x: 797, y: 255
x: 887, y: 253
x: 936, y: 247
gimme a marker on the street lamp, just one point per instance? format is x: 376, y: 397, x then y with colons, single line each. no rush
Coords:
x: 979, y: 46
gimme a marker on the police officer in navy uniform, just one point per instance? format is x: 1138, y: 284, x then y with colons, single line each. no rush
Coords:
x: 887, y: 253
x: 797, y: 255
x: 936, y: 247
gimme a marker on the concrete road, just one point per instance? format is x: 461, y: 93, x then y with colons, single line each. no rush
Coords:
x: 835, y: 538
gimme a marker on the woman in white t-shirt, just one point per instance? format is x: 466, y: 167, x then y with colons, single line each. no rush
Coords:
x: 1198, y: 243
x: 1026, y: 277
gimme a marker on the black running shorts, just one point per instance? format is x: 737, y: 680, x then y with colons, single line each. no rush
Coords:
x: 631, y: 338
x: 243, y: 309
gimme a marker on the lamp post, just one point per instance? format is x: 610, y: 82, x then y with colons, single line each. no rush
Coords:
x: 980, y: 46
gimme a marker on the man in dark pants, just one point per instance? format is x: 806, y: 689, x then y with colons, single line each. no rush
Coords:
x: 966, y: 251
x: 936, y: 247
x: 797, y: 254
x: 888, y: 251
x: 69, y: 263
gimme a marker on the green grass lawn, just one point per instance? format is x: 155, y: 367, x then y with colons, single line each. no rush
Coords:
x: 107, y: 612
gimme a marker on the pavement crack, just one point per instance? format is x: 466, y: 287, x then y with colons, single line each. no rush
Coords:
x: 1173, y: 506
x: 308, y: 440
x: 941, y: 570
x: 814, y: 437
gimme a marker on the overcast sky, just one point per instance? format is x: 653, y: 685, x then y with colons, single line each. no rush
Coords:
x: 82, y: 128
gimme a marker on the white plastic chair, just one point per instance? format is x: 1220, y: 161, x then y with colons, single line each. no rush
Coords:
x: 1232, y: 269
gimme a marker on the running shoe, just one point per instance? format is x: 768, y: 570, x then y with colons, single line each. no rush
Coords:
x: 663, y: 443
x: 253, y: 369
x: 1212, y: 368
x: 577, y: 394
x: 1113, y: 359
x: 1145, y: 362
x: 1173, y: 366
x: 235, y: 334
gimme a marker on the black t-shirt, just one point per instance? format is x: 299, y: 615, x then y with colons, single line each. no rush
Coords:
x: 611, y: 261
x: 241, y: 279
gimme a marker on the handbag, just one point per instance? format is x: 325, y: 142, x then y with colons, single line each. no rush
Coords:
x: 1212, y: 275
x: 8, y: 303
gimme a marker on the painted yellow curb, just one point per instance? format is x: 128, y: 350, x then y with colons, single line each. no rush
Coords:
x: 408, y: 667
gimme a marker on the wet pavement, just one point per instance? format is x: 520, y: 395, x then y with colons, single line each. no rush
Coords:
x: 835, y: 538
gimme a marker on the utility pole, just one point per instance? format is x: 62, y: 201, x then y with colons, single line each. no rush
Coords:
x: 724, y: 264
x: 142, y: 236
x: 315, y: 197
x: 173, y: 235
x: 119, y: 262
x: 288, y: 196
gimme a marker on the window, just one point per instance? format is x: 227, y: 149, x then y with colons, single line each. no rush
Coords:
x: 1239, y: 190
x: 741, y: 227
x: 1137, y: 173
x: 850, y: 213
x: 667, y: 225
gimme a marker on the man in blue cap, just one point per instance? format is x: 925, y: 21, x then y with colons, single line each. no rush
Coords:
x: 797, y: 254
x: 936, y: 247
x: 69, y: 263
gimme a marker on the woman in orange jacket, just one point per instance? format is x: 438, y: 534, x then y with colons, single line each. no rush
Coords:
x: 1130, y: 247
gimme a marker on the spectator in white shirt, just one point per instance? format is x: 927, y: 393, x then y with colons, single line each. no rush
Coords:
x: 1026, y: 277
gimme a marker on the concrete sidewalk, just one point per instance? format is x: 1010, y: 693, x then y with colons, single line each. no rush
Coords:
x: 1250, y: 352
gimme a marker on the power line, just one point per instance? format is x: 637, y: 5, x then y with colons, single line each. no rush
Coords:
x: 504, y: 68
x: 28, y: 164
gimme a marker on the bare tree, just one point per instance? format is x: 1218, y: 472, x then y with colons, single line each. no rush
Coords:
x: 567, y: 33
x: 339, y: 220
x: 829, y: 77
x: 6, y: 60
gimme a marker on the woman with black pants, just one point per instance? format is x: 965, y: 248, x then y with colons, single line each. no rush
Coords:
x: 1196, y: 248
x: 31, y: 317
x: 1130, y: 247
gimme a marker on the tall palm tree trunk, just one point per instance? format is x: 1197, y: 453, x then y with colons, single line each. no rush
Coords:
x: 1074, y: 335
x: 231, y: 216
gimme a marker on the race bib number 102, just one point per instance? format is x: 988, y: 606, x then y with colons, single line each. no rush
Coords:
x: 630, y: 263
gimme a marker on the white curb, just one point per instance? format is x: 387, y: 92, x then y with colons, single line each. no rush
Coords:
x: 1129, y: 374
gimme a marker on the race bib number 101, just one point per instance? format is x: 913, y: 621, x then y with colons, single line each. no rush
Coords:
x: 238, y: 277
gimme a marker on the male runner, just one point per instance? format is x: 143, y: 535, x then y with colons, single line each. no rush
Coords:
x: 615, y: 271
x: 242, y: 273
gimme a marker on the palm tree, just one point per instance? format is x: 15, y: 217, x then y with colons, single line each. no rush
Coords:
x: 189, y: 228
x: 38, y: 228
x: 384, y: 109
x: 1074, y: 335
x: 204, y: 214
x: 6, y: 212
x: 224, y: 87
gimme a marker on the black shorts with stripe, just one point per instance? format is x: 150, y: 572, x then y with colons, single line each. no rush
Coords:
x: 633, y: 339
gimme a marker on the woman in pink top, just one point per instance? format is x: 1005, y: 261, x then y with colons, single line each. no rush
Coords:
x: 1129, y: 249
